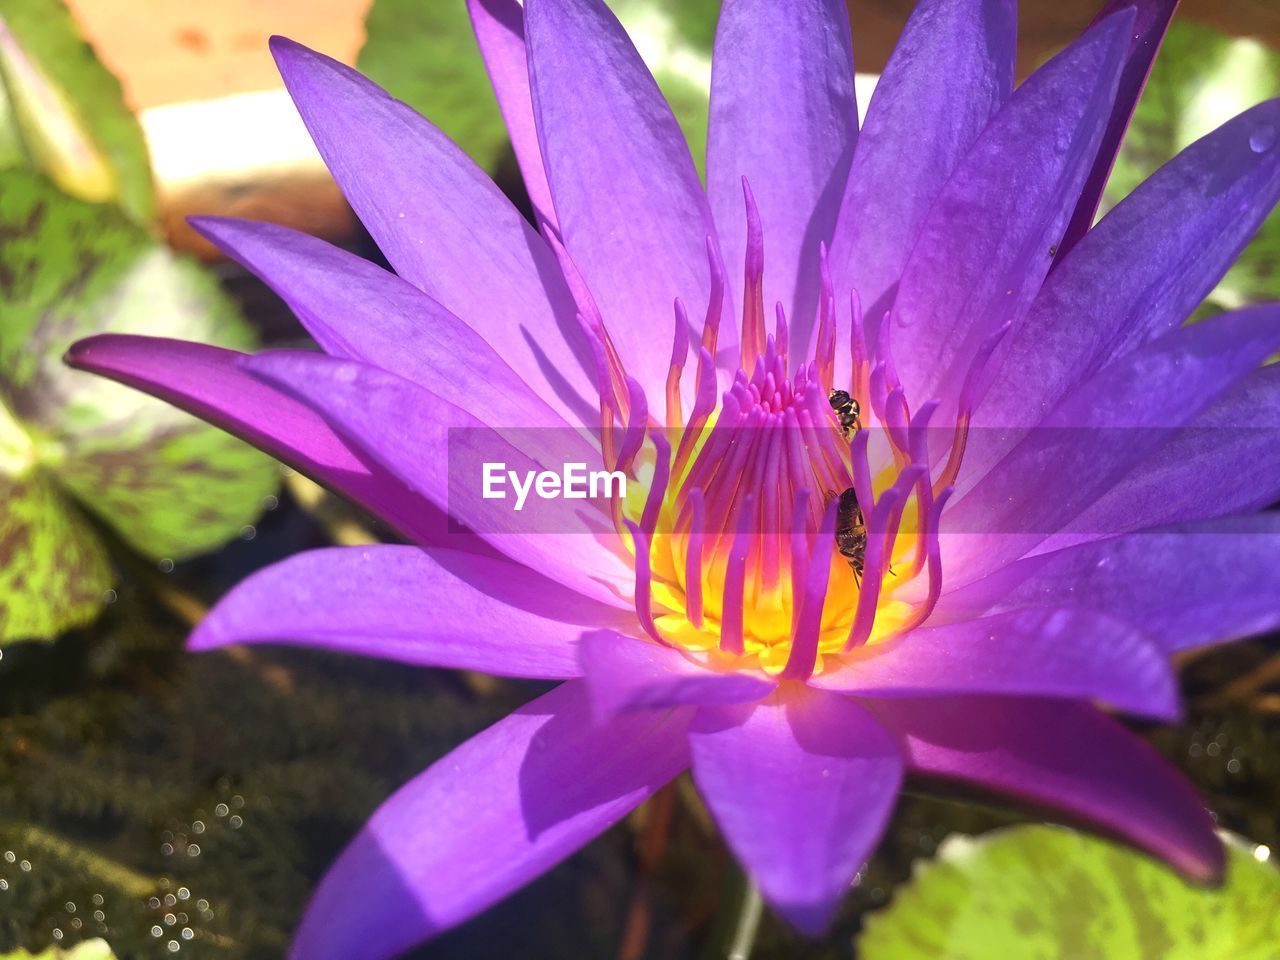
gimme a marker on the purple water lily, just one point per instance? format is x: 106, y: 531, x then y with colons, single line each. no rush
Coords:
x: 787, y: 608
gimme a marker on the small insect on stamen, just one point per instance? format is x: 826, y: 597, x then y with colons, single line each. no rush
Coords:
x: 851, y: 533
x: 851, y: 526
x: 848, y: 412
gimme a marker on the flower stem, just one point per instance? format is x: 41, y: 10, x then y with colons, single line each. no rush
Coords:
x: 750, y: 911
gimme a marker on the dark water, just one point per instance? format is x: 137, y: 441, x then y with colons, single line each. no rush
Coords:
x: 149, y: 792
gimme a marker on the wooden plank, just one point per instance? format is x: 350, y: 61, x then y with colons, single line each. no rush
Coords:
x: 172, y: 51
x: 1045, y: 26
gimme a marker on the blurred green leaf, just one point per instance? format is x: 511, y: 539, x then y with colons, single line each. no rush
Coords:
x: 426, y: 54
x: 169, y: 484
x: 68, y: 110
x: 12, y: 153
x: 1048, y: 893
x: 1202, y: 79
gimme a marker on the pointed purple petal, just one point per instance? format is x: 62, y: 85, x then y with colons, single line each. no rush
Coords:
x: 357, y: 310
x: 441, y: 222
x: 486, y: 819
x: 1069, y: 759
x: 499, y: 29
x: 1198, y: 472
x: 1187, y: 586
x: 625, y: 673
x: 950, y: 73
x: 631, y: 208
x: 402, y: 603
x: 1073, y: 654
x: 436, y: 449
x: 783, y: 114
x: 1153, y: 18
x: 801, y: 785
x: 1137, y: 275
x: 985, y: 247
x: 208, y: 382
x: 1106, y: 427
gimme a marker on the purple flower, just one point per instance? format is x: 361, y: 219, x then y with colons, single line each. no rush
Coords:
x: 1029, y: 374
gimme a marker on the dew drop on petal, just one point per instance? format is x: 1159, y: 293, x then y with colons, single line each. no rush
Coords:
x: 1262, y: 139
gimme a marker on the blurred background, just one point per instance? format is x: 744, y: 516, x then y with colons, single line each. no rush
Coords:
x: 155, y: 804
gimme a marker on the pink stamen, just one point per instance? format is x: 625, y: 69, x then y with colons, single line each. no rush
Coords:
x: 590, y: 312
x: 799, y: 550
x: 704, y: 404
x: 825, y: 351
x: 637, y: 425
x: 679, y: 354
x: 781, y: 333
x: 804, y: 642
x: 735, y: 575
x: 644, y: 585
x: 715, y: 300
x: 859, y: 357
x: 752, y: 345
x: 693, y: 558
x: 884, y: 351
x: 964, y: 414
x: 882, y: 532
x: 918, y: 442
x: 658, y: 490
x: 934, y: 550
x: 862, y: 470
x: 608, y: 413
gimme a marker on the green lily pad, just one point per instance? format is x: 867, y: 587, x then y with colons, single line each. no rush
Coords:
x: 169, y: 484
x: 1048, y: 893
x: 426, y: 54
x: 1202, y: 79
x: 67, y: 110
x: 88, y: 950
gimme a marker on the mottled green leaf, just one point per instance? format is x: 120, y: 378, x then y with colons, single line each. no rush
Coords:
x: 168, y: 483
x: 425, y: 54
x: 1048, y: 893
x: 69, y: 110
x: 1202, y: 79
x: 53, y: 569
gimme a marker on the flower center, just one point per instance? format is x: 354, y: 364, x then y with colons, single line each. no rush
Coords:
x: 775, y: 529
x: 747, y: 535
